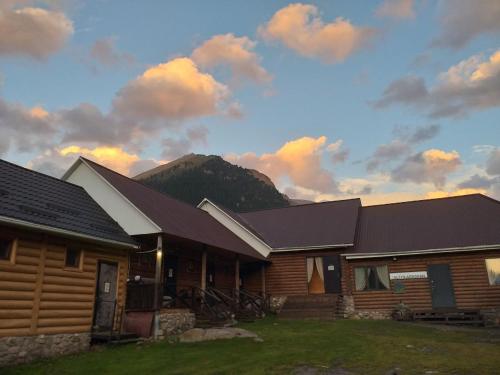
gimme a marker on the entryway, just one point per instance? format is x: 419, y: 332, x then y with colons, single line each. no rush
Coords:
x: 441, y: 284
x: 323, y: 274
x: 105, y: 298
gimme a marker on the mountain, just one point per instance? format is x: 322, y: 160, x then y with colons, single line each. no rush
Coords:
x: 194, y: 177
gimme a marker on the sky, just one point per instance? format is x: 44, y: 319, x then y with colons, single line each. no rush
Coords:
x: 386, y: 100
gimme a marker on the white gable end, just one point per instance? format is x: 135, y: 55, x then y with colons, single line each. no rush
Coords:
x: 239, y: 230
x: 130, y: 218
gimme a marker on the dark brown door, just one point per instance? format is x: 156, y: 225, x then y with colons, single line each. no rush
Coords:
x: 331, y: 270
x: 441, y: 285
x: 105, y: 295
x: 211, y: 273
x: 170, y: 281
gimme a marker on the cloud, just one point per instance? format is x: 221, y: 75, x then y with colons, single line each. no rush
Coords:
x: 471, y: 85
x: 338, y: 153
x: 24, y: 129
x: 300, y: 28
x: 32, y: 32
x: 455, y: 193
x: 428, y: 166
x: 464, y: 20
x: 173, y: 91
x: 235, y: 53
x: 104, y: 52
x: 493, y: 163
x: 402, y: 145
x: 397, y: 9
x: 298, y: 160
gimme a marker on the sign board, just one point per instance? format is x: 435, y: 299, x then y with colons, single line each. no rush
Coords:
x: 408, y: 275
x: 331, y: 267
x: 107, y: 286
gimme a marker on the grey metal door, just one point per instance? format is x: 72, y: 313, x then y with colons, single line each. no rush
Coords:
x: 441, y: 285
x: 331, y: 271
x: 105, y: 303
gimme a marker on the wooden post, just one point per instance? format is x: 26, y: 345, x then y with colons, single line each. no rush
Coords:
x: 38, y: 286
x: 237, y: 277
x: 263, y: 279
x: 159, y: 262
x: 204, y: 269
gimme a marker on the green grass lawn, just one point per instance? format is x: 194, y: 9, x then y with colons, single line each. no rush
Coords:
x: 363, y: 347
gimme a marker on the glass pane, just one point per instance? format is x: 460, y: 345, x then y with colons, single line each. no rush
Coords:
x: 72, y: 257
x: 493, y: 267
x: 5, y: 247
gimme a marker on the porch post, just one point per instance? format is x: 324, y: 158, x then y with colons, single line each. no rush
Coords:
x: 204, y: 269
x: 237, y: 277
x: 263, y: 279
x: 158, y: 269
x: 158, y: 292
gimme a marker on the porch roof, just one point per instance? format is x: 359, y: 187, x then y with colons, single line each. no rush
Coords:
x: 174, y: 217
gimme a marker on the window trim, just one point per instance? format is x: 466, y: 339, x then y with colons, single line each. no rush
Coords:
x: 372, y: 266
x: 487, y: 274
x: 78, y: 268
x: 13, y: 251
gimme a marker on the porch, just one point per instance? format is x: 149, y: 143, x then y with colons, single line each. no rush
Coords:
x: 175, y: 274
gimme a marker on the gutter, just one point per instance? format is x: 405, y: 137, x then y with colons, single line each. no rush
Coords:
x: 64, y: 232
x: 317, y: 247
x: 422, y: 252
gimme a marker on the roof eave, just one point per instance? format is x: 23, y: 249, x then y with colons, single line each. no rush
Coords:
x: 421, y: 252
x: 309, y: 248
x: 65, y: 233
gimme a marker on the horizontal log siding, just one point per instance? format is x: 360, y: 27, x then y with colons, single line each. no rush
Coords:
x: 251, y: 277
x: 38, y: 295
x: 469, y: 277
x: 287, y: 273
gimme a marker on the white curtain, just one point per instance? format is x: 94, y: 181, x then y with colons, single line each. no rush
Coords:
x: 360, y: 278
x: 319, y: 267
x: 383, y: 276
x: 310, y: 267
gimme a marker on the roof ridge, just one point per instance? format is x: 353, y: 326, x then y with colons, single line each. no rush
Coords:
x: 40, y: 173
x: 300, y: 205
x: 143, y: 185
x: 431, y: 199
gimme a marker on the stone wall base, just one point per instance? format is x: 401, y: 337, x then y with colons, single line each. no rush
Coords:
x: 276, y: 303
x: 22, y: 349
x: 174, y: 322
x: 371, y: 314
x: 491, y: 317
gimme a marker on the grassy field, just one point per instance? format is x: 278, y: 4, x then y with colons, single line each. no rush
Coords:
x: 361, y: 347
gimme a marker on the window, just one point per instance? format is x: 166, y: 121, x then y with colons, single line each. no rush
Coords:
x: 493, y: 268
x: 372, y: 278
x: 73, y: 257
x: 5, y: 249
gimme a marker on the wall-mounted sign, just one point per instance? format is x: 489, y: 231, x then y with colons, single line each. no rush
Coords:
x: 331, y: 267
x: 408, y: 275
x: 107, y: 287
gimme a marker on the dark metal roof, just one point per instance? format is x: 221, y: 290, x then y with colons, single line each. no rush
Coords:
x: 173, y: 216
x: 470, y: 220
x: 308, y: 225
x: 36, y: 198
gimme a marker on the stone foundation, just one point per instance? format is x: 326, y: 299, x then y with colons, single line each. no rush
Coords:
x: 347, y: 309
x: 371, y: 314
x: 16, y: 350
x: 491, y: 317
x: 174, y: 322
x: 276, y: 303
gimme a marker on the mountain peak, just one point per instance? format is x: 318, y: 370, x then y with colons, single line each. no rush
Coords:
x: 193, y: 177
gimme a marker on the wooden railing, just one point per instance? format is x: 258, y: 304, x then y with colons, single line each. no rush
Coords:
x: 140, y: 297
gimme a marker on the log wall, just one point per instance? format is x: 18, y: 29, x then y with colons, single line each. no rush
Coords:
x: 39, y: 295
x: 287, y: 273
x: 469, y: 278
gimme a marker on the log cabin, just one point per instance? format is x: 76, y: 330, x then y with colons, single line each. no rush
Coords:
x: 63, y: 266
x: 319, y: 260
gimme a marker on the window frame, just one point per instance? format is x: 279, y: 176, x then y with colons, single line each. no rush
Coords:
x: 78, y: 267
x: 487, y: 271
x: 373, y: 267
x: 11, y: 258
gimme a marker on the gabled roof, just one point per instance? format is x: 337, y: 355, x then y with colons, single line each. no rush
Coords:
x: 29, y: 198
x: 315, y: 225
x: 173, y: 216
x: 469, y: 221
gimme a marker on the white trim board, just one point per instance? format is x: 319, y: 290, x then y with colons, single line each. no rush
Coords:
x: 124, y: 212
x: 231, y: 224
x: 64, y: 232
x: 421, y: 252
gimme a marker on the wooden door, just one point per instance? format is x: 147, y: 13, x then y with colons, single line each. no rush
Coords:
x: 170, y: 276
x: 105, y: 300
x: 442, y: 292
x: 331, y: 270
x: 210, y: 273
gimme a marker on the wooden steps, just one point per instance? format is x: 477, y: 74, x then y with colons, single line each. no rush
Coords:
x: 312, y: 306
x: 113, y: 338
x: 450, y: 317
